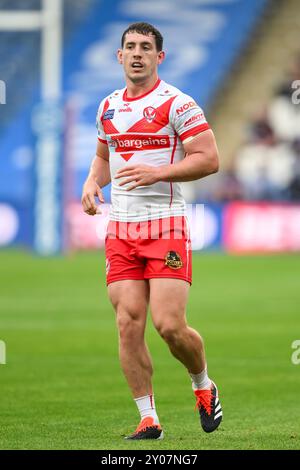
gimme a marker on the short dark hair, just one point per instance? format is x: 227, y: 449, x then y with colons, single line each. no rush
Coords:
x: 146, y: 29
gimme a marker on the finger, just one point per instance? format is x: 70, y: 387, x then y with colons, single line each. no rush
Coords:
x: 88, y: 209
x: 124, y: 173
x: 93, y: 210
x: 128, y: 180
x: 91, y: 202
x: 98, y: 211
x: 85, y: 201
x: 85, y: 204
x: 100, y: 195
x: 90, y: 212
x: 133, y: 186
x: 126, y: 168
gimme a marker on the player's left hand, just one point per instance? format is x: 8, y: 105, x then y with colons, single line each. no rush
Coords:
x: 142, y: 175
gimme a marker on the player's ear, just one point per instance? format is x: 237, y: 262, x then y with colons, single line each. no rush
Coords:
x: 161, y: 57
x: 120, y: 56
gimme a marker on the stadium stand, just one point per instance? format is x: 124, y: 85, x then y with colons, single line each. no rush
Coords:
x: 260, y: 119
x: 259, y: 71
x: 217, y: 63
x: 20, y: 70
x: 91, y: 34
x: 267, y: 166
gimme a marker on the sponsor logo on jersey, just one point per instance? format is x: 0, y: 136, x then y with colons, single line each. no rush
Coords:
x: 173, y: 260
x: 109, y: 114
x: 193, y: 119
x: 137, y: 142
x: 149, y: 113
x: 127, y: 109
x: 185, y: 107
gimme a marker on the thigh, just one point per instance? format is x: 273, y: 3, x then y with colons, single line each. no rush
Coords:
x: 130, y: 298
x: 168, y: 300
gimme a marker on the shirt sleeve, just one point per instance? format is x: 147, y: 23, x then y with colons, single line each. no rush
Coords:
x: 187, y: 117
x: 99, y: 125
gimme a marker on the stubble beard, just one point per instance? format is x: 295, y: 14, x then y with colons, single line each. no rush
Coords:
x: 137, y: 79
x: 140, y: 79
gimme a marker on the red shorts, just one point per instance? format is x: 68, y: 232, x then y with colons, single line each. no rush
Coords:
x: 145, y: 250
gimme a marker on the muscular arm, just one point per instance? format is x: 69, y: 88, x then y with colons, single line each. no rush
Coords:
x: 201, y: 160
x: 98, y: 177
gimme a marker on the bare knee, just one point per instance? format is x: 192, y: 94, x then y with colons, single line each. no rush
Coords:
x: 171, y: 332
x: 131, y: 327
x: 131, y: 315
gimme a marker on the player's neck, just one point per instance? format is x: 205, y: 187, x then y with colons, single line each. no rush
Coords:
x: 134, y: 90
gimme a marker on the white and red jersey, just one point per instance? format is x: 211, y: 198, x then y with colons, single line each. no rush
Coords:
x: 148, y: 130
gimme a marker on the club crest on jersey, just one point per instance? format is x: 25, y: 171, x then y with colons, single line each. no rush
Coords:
x: 149, y: 113
x: 173, y: 260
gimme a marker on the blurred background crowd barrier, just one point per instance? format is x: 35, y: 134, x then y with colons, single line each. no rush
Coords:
x: 240, y: 59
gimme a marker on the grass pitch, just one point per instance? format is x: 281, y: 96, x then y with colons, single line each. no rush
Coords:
x: 62, y: 387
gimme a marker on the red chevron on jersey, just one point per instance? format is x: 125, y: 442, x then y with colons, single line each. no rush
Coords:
x: 126, y: 156
x: 108, y: 126
x: 161, y: 119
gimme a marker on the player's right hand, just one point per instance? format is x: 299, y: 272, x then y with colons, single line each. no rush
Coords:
x: 90, y: 190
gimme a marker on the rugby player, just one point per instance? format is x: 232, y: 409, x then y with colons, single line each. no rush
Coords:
x: 151, y: 137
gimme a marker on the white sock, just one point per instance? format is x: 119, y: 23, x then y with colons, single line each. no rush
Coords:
x: 200, y: 381
x: 146, y: 407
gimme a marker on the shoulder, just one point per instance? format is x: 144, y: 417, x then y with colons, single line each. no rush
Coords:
x: 110, y: 99
x: 166, y: 88
x: 186, y: 115
x: 181, y: 102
